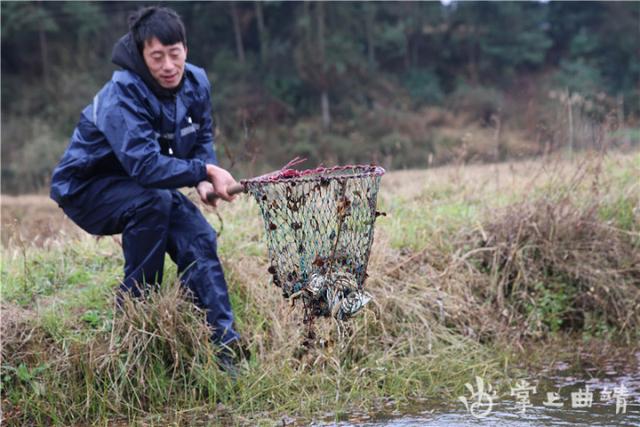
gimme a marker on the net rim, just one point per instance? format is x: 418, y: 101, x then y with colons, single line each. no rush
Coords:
x: 316, y: 174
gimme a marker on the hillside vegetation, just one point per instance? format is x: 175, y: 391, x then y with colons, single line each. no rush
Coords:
x: 404, y: 84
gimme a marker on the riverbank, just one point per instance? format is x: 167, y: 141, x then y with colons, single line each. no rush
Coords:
x: 472, y: 267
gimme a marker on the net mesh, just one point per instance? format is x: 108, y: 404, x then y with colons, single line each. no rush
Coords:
x: 319, y: 229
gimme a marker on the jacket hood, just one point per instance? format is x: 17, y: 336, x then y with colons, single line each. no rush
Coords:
x: 126, y: 55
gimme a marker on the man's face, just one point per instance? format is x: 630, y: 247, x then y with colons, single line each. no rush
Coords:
x: 166, y: 63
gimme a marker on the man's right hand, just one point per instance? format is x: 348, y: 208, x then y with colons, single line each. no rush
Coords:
x: 221, y: 180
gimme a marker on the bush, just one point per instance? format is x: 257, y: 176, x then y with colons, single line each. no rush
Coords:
x: 578, y: 76
x: 553, y: 259
x: 479, y: 101
x: 423, y: 86
x: 30, y: 151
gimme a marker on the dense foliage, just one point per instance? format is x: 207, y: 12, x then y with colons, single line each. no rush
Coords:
x: 336, y: 82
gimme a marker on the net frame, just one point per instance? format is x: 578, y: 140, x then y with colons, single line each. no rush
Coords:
x: 319, y: 228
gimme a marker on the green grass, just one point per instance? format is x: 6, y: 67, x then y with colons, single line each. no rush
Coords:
x: 435, y: 324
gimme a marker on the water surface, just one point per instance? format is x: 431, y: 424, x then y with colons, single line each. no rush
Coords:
x: 506, y: 411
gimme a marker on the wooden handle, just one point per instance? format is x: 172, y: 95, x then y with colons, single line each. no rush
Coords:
x: 232, y: 190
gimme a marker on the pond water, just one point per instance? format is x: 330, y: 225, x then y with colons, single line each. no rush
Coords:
x: 588, y: 397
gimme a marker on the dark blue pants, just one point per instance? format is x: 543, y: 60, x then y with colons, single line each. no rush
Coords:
x: 154, y: 222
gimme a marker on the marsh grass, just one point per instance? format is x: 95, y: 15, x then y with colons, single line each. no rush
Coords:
x: 471, y: 264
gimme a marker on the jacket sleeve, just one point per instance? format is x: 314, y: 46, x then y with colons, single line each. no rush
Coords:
x: 203, y: 148
x: 127, y: 124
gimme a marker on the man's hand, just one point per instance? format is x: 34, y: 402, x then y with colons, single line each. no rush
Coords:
x: 204, y: 188
x: 219, y: 181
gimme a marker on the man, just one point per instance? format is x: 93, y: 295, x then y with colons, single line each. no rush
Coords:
x: 147, y: 133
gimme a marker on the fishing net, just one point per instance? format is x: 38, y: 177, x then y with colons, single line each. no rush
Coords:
x: 319, y: 230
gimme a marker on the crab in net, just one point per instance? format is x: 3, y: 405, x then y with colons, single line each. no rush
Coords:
x: 319, y: 227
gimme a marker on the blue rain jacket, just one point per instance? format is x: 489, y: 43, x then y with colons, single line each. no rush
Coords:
x: 161, y: 141
x: 133, y: 147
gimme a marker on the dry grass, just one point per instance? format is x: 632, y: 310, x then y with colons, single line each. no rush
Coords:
x: 33, y: 219
x: 469, y: 259
x: 551, y: 264
x: 557, y: 249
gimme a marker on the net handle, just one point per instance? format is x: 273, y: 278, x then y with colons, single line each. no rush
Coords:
x: 232, y: 190
x: 240, y: 188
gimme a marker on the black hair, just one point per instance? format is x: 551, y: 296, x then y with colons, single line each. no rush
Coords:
x: 157, y: 21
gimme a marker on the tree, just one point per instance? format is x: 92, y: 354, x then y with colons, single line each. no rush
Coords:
x: 497, y: 40
x: 23, y: 20
x: 237, y: 31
